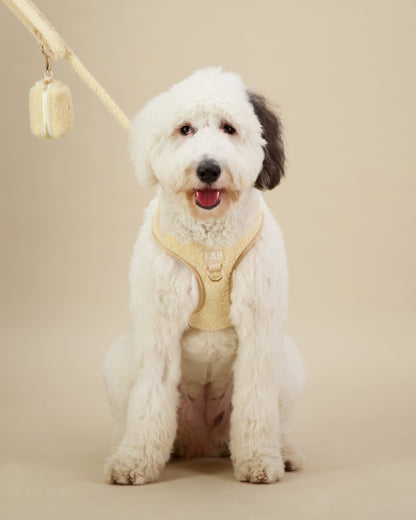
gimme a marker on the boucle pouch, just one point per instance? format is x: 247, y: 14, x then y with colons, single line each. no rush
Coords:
x: 50, y: 109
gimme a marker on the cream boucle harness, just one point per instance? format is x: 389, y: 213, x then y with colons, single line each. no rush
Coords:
x: 213, y: 269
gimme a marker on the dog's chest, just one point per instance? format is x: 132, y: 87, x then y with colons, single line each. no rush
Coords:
x: 208, y: 355
x: 213, y: 268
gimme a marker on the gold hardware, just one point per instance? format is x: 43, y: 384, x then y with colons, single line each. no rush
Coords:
x: 214, y: 259
x: 215, y: 272
x: 48, y: 69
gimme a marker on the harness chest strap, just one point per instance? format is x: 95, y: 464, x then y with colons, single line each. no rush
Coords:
x: 213, y: 270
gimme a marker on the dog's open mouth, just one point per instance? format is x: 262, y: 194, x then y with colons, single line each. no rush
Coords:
x: 207, y: 199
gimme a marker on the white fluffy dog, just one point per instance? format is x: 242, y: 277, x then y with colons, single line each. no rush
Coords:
x: 207, y: 369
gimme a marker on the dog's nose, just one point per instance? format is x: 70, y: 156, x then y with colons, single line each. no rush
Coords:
x: 208, y: 171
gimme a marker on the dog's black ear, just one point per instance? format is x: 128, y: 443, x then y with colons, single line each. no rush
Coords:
x: 274, y: 154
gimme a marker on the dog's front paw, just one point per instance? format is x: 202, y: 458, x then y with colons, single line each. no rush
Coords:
x: 259, y: 470
x: 129, y: 466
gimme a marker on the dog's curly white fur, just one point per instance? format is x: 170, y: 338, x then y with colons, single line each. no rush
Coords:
x: 185, y: 391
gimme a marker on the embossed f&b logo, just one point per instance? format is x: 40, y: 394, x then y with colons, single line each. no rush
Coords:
x: 214, y: 260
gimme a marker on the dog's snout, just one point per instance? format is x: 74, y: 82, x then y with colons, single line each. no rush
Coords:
x: 208, y: 171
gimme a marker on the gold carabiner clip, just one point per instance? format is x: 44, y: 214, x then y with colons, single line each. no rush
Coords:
x: 48, y: 68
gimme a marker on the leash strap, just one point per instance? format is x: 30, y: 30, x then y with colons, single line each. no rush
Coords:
x: 55, y: 47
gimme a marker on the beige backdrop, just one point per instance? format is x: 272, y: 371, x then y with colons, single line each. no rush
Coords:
x: 343, y: 76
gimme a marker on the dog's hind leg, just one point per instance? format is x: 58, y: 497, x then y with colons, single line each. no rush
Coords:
x: 292, y: 384
x: 119, y: 371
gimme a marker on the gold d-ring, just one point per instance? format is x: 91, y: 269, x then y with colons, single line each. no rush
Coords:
x: 215, y: 275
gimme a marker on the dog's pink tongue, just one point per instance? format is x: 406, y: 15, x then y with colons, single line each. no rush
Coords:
x: 207, y: 197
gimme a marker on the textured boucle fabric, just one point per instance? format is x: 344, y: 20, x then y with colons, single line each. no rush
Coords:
x: 213, y: 269
x: 55, y: 48
x: 50, y: 109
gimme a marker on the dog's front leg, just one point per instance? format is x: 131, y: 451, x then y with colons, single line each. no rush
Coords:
x: 151, y: 421
x: 255, y: 429
x: 161, y: 303
x: 255, y: 425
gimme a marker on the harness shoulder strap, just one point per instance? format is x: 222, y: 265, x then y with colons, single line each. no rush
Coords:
x: 213, y: 270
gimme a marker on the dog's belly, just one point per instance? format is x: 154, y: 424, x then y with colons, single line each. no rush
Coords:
x: 205, y: 393
x: 208, y: 356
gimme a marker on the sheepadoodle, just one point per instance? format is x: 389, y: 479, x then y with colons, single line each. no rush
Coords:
x: 207, y: 369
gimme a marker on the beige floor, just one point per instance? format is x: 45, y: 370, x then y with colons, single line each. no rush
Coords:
x: 356, y: 426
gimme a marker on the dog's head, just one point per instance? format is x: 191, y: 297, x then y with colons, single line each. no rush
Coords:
x: 207, y: 141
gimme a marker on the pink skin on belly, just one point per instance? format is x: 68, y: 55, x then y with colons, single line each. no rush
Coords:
x: 203, y: 419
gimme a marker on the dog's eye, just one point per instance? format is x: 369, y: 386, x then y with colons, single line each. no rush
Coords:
x: 186, y: 130
x: 228, y: 129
